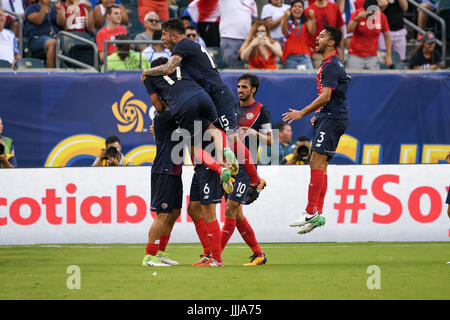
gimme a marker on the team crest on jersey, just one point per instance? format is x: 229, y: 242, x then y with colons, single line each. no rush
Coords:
x: 250, y: 116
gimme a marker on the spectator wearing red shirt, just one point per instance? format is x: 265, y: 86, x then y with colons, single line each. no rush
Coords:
x: 294, y: 24
x: 79, y: 16
x: 113, y: 29
x: 326, y: 13
x: 367, y: 24
x: 161, y: 7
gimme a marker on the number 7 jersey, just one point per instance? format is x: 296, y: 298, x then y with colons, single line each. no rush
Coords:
x: 198, y: 63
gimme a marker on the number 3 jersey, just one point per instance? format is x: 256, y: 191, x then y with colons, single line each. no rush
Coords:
x: 197, y: 62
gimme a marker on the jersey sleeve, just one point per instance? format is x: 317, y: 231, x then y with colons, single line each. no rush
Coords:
x: 330, y: 76
x: 266, y: 125
x: 149, y: 86
x: 182, y: 49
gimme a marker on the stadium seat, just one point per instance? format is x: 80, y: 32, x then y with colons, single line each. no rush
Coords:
x: 77, y: 50
x: 29, y: 63
x: 217, y: 57
x: 397, y: 63
x: 5, y: 64
x: 444, y: 13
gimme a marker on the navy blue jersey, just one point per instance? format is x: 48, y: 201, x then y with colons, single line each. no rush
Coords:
x: 175, y: 89
x: 255, y: 116
x: 332, y: 75
x: 164, y: 125
x: 198, y: 63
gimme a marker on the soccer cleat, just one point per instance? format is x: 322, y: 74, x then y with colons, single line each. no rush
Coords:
x: 305, y: 218
x: 254, y: 191
x: 231, y: 161
x: 227, y: 180
x: 163, y: 256
x: 203, y: 259
x: 153, y: 261
x: 308, y: 227
x: 211, y: 262
x: 256, y: 260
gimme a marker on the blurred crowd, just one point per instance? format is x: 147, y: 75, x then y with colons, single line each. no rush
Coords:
x: 269, y: 34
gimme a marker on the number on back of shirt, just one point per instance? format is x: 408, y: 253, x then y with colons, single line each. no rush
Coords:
x: 209, y: 57
x: 170, y: 80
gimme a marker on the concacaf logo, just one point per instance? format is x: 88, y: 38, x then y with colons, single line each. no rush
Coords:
x: 130, y: 113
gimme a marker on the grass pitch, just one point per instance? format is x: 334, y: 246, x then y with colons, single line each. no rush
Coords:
x: 294, y: 271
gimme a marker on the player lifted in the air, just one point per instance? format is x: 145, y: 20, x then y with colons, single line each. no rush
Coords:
x: 330, y: 123
x: 198, y: 64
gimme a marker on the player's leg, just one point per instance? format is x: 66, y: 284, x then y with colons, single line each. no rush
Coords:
x: 152, y: 247
x: 247, y: 233
x: 323, y: 192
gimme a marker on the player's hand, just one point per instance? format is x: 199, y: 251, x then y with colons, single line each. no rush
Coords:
x: 144, y: 75
x: 313, y: 119
x: 292, y: 115
x: 248, y: 131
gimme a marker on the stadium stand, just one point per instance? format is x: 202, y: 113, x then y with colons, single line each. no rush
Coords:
x: 29, y: 63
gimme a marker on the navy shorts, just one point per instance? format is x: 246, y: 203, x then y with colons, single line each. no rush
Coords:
x: 225, y: 105
x: 206, y: 186
x: 195, y: 114
x: 166, y: 192
x: 327, y: 132
x: 241, y: 186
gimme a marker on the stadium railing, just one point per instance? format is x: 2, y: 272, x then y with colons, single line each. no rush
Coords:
x: 443, y: 42
x: 20, y: 29
x: 61, y: 57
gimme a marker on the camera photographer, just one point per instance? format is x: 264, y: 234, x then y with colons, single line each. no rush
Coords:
x: 111, y: 155
x: 7, y: 160
x: 301, y: 152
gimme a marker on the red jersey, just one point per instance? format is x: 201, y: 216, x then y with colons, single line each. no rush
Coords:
x: 364, y: 42
x: 296, y: 41
x: 258, y: 62
x: 107, y: 34
x: 75, y: 17
x: 328, y: 15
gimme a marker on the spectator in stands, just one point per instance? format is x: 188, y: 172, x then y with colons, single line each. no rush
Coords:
x: 426, y: 57
x: 260, y: 50
x: 273, y: 13
x: 114, y: 15
x: 294, y: 24
x: 101, y: 17
x: 9, y: 50
x: 393, y: 9
x: 347, y: 7
x: 205, y: 15
x: 191, y: 33
x: 151, y: 23
x: 7, y: 153
x: 43, y: 22
x: 112, y: 154
x: 301, y: 152
x: 155, y: 50
x: 236, y: 17
x: 326, y: 13
x: 422, y: 17
x: 79, y: 16
x: 15, y: 6
x: 125, y: 58
x: 285, y: 144
x: 161, y: 7
x: 367, y: 24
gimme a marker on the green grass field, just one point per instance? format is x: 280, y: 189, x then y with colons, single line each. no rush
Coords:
x: 294, y: 271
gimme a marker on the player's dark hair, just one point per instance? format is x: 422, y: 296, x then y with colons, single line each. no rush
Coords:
x: 303, y: 139
x: 253, y: 79
x: 159, y: 62
x: 334, y: 34
x: 175, y: 25
x: 280, y: 126
x: 111, y: 139
x: 110, y: 8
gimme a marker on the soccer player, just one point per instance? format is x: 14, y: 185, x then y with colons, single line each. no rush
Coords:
x: 196, y: 61
x: 254, y: 127
x: 193, y: 109
x: 330, y: 123
x: 166, y: 191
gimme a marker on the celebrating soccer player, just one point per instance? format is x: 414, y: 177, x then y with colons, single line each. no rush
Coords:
x: 330, y: 123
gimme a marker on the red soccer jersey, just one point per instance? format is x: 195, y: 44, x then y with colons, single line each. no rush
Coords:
x: 75, y: 17
x: 107, y: 34
x: 364, y: 42
x: 328, y: 15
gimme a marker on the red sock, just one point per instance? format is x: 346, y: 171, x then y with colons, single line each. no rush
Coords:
x: 315, y: 186
x: 245, y: 159
x: 208, y: 160
x: 152, y: 249
x: 227, y: 231
x: 323, y: 191
x: 163, y: 241
x: 214, y: 239
x: 248, y: 235
x: 202, y: 232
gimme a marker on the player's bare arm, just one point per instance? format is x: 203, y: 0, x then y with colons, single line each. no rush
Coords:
x: 157, y: 103
x: 162, y: 70
x: 321, y: 100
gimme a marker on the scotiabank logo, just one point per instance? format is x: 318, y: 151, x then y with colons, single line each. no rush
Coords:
x: 92, y: 209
